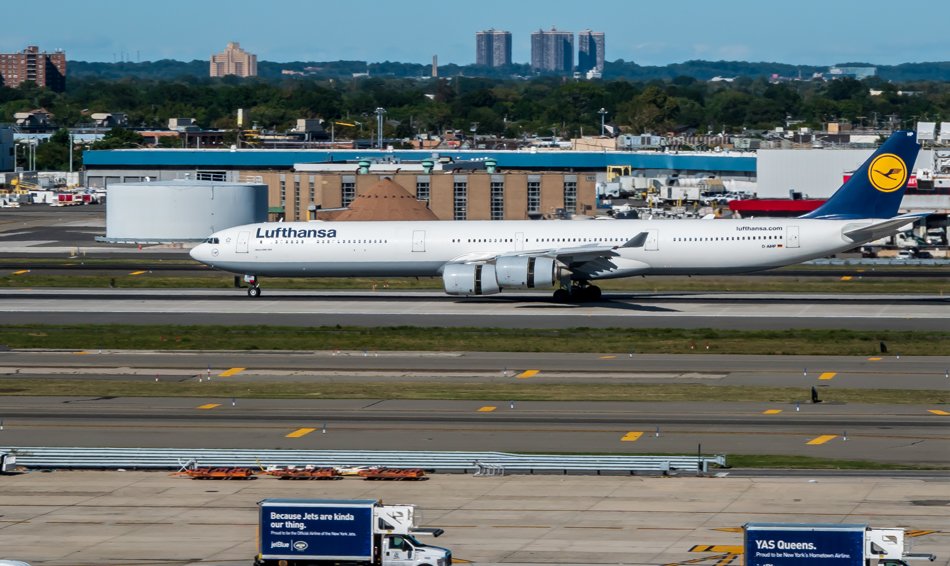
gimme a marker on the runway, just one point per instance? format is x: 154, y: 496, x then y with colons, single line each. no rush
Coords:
x: 791, y: 425
x: 746, y: 311
x: 884, y: 433
x: 878, y: 372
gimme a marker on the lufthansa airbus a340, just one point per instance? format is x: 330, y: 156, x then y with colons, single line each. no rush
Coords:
x: 487, y: 257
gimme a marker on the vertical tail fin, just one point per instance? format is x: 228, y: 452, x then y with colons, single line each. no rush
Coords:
x: 875, y: 190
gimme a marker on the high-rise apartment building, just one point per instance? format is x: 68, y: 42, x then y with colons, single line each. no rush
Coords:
x: 493, y: 48
x: 234, y: 61
x: 590, y: 51
x: 552, y: 51
x: 45, y: 69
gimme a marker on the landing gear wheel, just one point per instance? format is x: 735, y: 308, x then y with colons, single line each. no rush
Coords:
x: 562, y: 296
x: 253, y: 292
x: 592, y: 293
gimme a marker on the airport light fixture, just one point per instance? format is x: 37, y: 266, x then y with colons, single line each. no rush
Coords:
x: 380, y: 112
x: 602, y: 112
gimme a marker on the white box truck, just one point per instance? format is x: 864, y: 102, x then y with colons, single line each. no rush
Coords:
x: 820, y: 544
x: 357, y: 532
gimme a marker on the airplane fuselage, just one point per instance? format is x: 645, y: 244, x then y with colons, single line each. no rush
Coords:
x: 389, y: 249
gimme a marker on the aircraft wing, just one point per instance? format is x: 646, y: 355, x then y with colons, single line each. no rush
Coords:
x: 876, y: 230
x: 572, y: 256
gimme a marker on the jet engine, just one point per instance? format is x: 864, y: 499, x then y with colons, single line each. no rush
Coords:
x: 515, y: 272
x: 526, y: 272
x: 470, y: 279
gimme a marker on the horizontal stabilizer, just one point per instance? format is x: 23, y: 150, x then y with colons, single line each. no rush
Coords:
x: 880, y: 229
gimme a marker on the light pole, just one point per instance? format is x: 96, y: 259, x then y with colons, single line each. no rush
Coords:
x: 380, y: 112
x: 602, y: 113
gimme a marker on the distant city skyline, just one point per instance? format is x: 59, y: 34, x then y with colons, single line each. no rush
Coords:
x: 806, y: 32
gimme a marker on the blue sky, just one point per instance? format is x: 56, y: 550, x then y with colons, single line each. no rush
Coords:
x: 816, y: 32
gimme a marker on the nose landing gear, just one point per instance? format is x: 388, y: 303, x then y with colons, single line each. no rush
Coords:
x: 254, y: 287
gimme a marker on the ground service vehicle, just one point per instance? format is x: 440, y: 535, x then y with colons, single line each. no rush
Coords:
x: 818, y: 544
x: 357, y: 532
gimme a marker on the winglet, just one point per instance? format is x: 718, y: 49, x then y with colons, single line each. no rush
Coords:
x: 637, y: 241
x: 875, y: 190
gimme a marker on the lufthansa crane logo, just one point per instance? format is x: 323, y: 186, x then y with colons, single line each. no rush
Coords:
x: 887, y: 173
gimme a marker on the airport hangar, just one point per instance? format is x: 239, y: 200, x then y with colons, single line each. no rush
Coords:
x: 476, y: 185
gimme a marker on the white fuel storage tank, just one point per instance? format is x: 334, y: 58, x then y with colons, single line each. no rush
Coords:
x: 180, y: 210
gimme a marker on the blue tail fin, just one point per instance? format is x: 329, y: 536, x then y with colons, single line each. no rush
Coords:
x: 875, y: 190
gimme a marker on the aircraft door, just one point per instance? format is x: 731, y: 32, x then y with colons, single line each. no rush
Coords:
x: 242, y: 240
x: 397, y: 551
x: 418, y: 240
x: 653, y: 241
x: 791, y: 237
x: 519, y: 241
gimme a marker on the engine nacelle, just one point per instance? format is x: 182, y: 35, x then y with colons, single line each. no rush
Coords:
x: 526, y: 272
x: 470, y: 279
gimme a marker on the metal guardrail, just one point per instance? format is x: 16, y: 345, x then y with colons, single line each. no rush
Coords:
x: 449, y: 462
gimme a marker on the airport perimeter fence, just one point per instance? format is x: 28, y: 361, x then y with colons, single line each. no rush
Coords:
x: 480, y: 463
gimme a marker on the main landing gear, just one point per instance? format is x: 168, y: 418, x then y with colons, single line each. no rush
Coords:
x: 254, y: 286
x: 579, y: 292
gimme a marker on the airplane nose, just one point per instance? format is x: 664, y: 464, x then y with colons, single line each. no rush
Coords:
x: 196, y: 252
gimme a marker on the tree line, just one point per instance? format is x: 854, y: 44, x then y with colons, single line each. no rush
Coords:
x: 494, y: 107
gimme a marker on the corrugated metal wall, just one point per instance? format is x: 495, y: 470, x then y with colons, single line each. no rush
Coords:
x: 814, y: 172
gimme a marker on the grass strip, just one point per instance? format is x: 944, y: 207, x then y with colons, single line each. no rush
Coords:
x: 447, y: 390
x: 809, y: 463
x: 790, y: 283
x: 409, y: 338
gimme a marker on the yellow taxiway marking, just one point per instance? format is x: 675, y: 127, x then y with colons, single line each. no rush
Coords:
x: 822, y: 439
x: 631, y: 437
x: 608, y: 357
x: 528, y: 373
x: 729, y: 529
x: 137, y: 272
x: 846, y: 278
x: 83, y: 353
x: 230, y: 372
x: 210, y: 406
x: 486, y: 409
x: 827, y: 375
x: 917, y: 533
x: 21, y: 272
x: 300, y: 432
x: 874, y: 359
x: 723, y: 548
x: 771, y: 411
x: 938, y: 412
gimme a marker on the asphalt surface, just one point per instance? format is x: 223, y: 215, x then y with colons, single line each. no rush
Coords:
x: 137, y: 518
x: 749, y: 311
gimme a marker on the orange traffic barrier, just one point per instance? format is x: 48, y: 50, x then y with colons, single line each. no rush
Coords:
x: 393, y: 474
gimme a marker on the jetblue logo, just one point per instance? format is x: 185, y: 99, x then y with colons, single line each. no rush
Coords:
x: 286, y: 232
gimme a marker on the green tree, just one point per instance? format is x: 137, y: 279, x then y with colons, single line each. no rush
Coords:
x: 54, y: 154
x: 119, y: 138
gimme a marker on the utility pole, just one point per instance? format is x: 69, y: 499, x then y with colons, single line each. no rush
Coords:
x: 602, y: 113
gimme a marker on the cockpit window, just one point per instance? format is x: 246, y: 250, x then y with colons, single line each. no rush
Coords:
x: 212, y: 241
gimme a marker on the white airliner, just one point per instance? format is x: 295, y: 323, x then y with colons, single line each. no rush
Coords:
x: 487, y: 257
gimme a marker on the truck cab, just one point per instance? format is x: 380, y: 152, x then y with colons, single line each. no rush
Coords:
x: 406, y: 550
